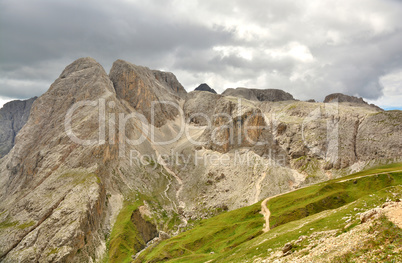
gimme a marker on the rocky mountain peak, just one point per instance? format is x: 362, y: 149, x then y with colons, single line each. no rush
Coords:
x: 205, y: 87
x: 147, y: 90
x: 259, y: 94
x: 80, y: 64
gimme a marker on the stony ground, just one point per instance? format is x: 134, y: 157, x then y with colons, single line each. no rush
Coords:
x: 331, y: 246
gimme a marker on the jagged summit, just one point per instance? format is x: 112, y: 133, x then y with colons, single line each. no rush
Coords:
x: 205, y: 87
x: 259, y: 94
x: 340, y: 97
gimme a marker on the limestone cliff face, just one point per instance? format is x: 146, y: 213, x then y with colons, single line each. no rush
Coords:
x: 52, y: 199
x: 379, y: 136
x: 200, y: 106
x: 236, y: 124
x: 13, y: 117
x: 170, y: 81
x: 147, y: 91
x: 52, y: 189
x: 259, y: 94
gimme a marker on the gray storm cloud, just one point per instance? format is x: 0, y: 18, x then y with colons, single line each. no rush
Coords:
x: 308, y: 48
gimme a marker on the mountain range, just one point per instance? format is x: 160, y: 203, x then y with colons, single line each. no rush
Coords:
x: 102, y: 164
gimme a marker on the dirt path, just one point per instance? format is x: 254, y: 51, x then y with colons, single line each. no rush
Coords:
x: 266, y: 213
x: 354, y: 178
x: 258, y: 187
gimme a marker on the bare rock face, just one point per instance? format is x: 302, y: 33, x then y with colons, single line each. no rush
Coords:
x: 146, y: 229
x: 170, y: 81
x: 13, y: 117
x: 147, y: 91
x: 200, y: 107
x: 343, y: 98
x: 259, y: 94
x: 228, y: 126
x: 379, y: 136
x: 52, y: 200
x: 339, y: 97
x: 205, y: 87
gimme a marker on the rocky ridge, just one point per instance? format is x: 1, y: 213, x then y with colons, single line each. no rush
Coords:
x: 259, y: 94
x: 339, y: 97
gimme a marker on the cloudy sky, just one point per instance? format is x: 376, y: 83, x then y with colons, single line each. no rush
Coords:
x: 308, y: 48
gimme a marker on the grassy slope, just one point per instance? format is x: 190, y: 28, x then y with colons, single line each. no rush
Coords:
x: 236, y: 236
x: 217, y: 234
x: 124, y: 239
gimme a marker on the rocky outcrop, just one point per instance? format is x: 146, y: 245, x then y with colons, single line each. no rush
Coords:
x: 146, y: 229
x: 200, y: 107
x: 320, y: 136
x: 379, y: 136
x: 205, y: 87
x: 147, y: 91
x: 170, y: 81
x: 13, y: 117
x: 339, y: 97
x: 259, y: 94
x: 235, y: 125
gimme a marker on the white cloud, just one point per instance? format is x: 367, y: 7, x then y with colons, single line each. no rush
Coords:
x: 4, y: 101
x: 392, y: 97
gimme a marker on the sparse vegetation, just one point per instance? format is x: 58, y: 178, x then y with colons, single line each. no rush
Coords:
x: 26, y: 225
x: 8, y: 223
x: 388, y: 237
